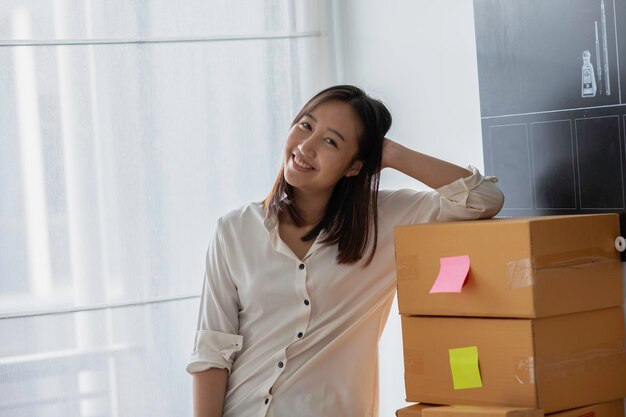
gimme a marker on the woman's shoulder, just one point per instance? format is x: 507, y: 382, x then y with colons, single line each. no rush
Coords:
x: 242, y: 216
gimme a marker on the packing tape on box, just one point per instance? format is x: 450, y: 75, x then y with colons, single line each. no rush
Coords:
x: 573, y: 257
x: 406, y: 267
x: 524, y: 368
x: 520, y: 272
x: 414, y: 361
x: 581, y: 363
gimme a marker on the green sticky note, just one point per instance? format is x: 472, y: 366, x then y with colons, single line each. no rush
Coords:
x: 464, y: 367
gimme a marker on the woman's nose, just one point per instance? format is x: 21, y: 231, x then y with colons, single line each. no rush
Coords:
x: 307, y: 147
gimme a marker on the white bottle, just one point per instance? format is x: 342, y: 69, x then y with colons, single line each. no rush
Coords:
x: 589, y: 87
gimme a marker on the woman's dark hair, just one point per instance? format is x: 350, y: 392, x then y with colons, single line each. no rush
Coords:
x: 351, y: 213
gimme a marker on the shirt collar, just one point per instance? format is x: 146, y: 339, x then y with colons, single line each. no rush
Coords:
x: 270, y: 222
x: 271, y: 225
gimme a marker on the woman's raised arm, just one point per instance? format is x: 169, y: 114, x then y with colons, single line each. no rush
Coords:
x: 427, y: 169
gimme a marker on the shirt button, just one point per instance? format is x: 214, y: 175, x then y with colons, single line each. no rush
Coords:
x: 280, y: 364
x: 306, y: 302
x: 300, y: 335
x: 267, y: 400
x: 301, y: 266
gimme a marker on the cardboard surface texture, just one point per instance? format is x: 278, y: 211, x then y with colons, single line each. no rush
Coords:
x: 428, y: 410
x: 519, y: 267
x: 607, y: 409
x: 414, y: 410
x: 554, y: 363
x: 481, y: 411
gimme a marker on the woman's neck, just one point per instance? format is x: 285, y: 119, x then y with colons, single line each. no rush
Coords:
x: 311, y: 207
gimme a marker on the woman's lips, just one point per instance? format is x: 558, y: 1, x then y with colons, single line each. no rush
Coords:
x: 298, y: 167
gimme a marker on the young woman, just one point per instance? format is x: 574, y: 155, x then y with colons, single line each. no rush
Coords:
x: 298, y: 287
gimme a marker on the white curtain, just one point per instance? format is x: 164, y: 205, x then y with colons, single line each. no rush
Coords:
x: 126, y: 129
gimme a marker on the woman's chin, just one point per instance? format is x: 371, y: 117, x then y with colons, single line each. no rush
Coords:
x: 294, y: 182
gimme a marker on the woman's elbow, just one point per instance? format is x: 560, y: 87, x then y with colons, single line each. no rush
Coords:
x: 493, y: 204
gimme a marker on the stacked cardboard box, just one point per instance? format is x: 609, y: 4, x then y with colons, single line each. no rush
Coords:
x: 606, y: 409
x: 537, y: 322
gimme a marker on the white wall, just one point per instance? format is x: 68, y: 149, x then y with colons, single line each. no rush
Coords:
x: 419, y: 58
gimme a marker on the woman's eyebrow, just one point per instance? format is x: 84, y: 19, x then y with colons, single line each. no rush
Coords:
x: 330, y: 128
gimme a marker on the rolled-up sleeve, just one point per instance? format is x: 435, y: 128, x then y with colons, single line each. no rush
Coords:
x: 473, y: 197
x: 217, y: 339
x: 470, y: 198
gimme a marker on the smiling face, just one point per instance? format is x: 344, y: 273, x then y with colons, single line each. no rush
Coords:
x: 321, y: 147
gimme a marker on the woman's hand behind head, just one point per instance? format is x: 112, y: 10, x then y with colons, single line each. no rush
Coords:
x: 388, y: 149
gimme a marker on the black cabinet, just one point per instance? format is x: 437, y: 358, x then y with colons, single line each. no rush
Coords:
x: 553, y: 103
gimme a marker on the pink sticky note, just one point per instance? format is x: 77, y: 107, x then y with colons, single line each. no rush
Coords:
x: 453, y: 272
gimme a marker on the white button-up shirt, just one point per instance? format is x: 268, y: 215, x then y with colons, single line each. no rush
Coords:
x: 300, y: 337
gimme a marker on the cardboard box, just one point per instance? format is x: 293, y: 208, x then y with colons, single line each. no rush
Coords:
x: 414, y: 410
x: 481, y: 411
x: 430, y: 410
x: 518, y: 267
x: 607, y: 409
x: 554, y: 363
